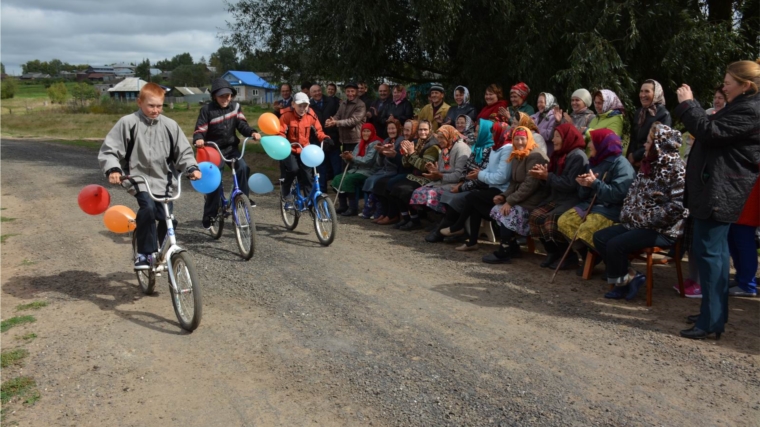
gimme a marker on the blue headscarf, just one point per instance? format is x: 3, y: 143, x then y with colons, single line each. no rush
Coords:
x: 485, y: 139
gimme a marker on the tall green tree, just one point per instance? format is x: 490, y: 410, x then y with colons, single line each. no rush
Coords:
x: 190, y: 75
x: 83, y: 92
x: 143, y: 70
x: 224, y: 59
x: 2, y: 68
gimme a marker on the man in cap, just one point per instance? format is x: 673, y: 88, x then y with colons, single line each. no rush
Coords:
x: 218, y: 122
x: 436, y: 111
x: 349, y: 118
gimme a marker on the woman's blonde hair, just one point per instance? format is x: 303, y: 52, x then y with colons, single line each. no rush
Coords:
x: 746, y: 72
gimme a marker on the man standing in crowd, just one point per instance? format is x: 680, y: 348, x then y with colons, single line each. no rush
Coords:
x: 376, y: 110
x: 435, y: 112
x: 364, y: 96
x: 349, y: 118
x: 306, y: 88
x: 286, y: 91
x: 325, y: 107
x: 331, y: 91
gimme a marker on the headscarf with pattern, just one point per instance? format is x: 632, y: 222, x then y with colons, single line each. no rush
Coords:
x: 527, y: 122
x: 551, y: 102
x: 611, y: 101
x: 469, y: 129
x: 571, y: 139
x: 658, y: 99
x: 447, y: 134
x: 499, y: 131
x: 401, y: 98
x: 664, y: 152
x: 529, y: 147
x: 606, y: 143
x: 521, y: 89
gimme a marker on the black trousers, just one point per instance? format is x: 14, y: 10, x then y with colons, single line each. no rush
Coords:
x: 146, y: 230
x: 479, y: 205
x: 211, y: 206
x: 294, y: 168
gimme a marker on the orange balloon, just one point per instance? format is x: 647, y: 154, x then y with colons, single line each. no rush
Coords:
x: 120, y: 219
x: 269, y: 124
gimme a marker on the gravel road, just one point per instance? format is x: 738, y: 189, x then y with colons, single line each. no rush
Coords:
x: 378, y: 329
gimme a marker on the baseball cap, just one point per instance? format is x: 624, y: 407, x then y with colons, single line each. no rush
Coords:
x: 301, y: 98
x: 223, y: 91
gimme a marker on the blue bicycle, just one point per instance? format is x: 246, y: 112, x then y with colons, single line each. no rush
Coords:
x: 239, y: 207
x: 319, y: 206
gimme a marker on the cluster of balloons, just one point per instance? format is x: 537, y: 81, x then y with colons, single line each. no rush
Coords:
x: 95, y: 200
x: 278, y: 147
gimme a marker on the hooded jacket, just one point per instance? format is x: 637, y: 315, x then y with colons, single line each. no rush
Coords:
x: 655, y: 198
x: 217, y: 124
x: 300, y: 128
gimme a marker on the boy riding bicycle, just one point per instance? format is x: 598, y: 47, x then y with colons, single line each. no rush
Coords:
x: 149, y: 144
x: 217, y: 122
x: 299, y: 124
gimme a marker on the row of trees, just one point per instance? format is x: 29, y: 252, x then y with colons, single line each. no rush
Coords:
x: 52, y: 67
x: 554, y: 46
x: 80, y: 93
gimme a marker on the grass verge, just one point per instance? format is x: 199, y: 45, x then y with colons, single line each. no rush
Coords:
x: 28, y: 337
x: 36, y: 305
x: 5, y: 237
x: 12, y: 357
x: 6, y: 219
x: 15, y: 321
x: 22, y: 387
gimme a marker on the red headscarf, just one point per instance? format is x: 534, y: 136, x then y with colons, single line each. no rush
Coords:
x: 499, y: 135
x: 571, y: 139
x: 521, y: 89
x: 372, y: 138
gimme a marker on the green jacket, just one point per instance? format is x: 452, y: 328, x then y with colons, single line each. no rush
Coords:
x: 605, y: 121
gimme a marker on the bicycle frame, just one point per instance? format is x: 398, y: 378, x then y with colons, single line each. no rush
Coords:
x: 226, y: 204
x: 304, y: 203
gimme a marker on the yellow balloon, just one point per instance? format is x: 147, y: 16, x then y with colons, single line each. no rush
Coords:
x: 269, y: 124
x: 120, y: 219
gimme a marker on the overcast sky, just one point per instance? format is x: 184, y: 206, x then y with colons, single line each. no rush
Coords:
x: 107, y: 31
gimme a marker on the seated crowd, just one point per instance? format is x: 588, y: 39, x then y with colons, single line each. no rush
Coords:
x: 565, y: 178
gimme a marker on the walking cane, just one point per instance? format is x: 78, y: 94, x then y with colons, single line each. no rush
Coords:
x: 341, y: 182
x: 569, y: 248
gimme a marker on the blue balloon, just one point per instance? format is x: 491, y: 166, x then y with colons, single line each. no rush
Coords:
x: 260, y: 184
x: 211, y: 177
x: 312, y: 156
x: 276, y: 147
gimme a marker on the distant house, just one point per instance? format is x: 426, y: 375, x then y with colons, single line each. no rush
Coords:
x: 154, y: 72
x: 102, y: 69
x: 102, y: 88
x: 34, y: 76
x: 127, y: 89
x: 193, y: 95
x: 67, y: 75
x: 250, y: 87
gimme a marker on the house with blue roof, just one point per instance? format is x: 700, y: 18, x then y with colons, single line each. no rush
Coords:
x: 250, y: 87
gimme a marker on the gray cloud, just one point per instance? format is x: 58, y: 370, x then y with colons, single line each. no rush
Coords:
x: 107, y: 31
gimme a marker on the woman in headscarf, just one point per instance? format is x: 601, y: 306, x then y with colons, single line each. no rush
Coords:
x: 486, y: 167
x: 361, y: 165
x: 446, y: 172
x: 383, y: 186
x: 518, y: 94
x: 653, y: 213
x: 420, y: 158
x: 466, y: 127
x: 609, y: 179
x: 400, y: 108
x: 477, y: 203
x: 568, y: 161
x: 525, y: 192
x: 462, y: 107
x: 652, y: 110
x: 581, y: 115
x: 544, y: 118
x: 387, y: 163
x: 494, y: 97
x: 609, y: 112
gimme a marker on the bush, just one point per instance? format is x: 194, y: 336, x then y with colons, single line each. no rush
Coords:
x: 83, y: 92
x: 58, y: 93
x: 104, y: 105
x: 8, y: 89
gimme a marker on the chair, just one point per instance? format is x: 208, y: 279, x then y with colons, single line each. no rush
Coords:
x: 647, y: 255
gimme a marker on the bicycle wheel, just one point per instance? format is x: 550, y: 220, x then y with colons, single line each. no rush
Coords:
x: 187, y: 304
x: 217, y: 224
x: 289, y: 213
x: 325, y: 220
x: 245, y: 227
x: 146, y: 278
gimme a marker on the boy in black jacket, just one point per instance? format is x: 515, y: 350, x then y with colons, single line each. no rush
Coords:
x: 217, y: 122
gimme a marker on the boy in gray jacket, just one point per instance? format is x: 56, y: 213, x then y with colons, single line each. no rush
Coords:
x: 148, y: 144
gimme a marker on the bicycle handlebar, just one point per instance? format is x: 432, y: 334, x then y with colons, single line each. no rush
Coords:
x: 245, y: 142
x: 150, y: 193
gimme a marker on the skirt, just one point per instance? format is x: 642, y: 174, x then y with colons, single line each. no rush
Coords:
x: 454, y: 200
x: 369, y: 184
x: 351, y: 182
x: 570, y: 221
x: 543, y: 223
x: 428, y: 196
x: 516, y: 220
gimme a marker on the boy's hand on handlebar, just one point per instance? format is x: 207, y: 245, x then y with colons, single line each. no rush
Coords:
x: 199, y: 143
x: 194, y: 175
x: 256, y: 136
x: 115, y: 178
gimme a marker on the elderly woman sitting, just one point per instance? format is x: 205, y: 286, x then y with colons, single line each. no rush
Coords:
x: 606, y: 184
x: 518, y: 94
x: 462, y: 107
x: 544, y: 118
x: 524, y: 193
x: 609, y: 112
x: 581, y: 115
x: 494, y: 98
x: 568, y: 160
x: 653, y: 213
x: 387, y: 164
x: 466, y: 127
x: 445, y: 173
x: 361, y: 164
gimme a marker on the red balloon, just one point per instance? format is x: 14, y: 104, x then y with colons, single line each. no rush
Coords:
x: 208, y: 154
x: 94, y: 199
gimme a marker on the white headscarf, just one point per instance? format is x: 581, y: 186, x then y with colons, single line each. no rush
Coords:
x: 466, y: 93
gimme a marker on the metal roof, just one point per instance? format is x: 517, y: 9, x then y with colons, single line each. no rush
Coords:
x: 247, y: 78
x: 130, y: 84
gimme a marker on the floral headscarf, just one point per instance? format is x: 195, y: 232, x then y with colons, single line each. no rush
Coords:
x: 447, y: 134
x: 611, y: 101
x: 499, y: 131
x: 521, y: 89
x: 484, y: 140
x: 422, y: 143
x: 606, y: 143
x: 571, y: 139
x: 466, y: 94
x: 666, y: 144
x: 401, y: 98
x: 469, y: 129
x: 415, y: 126
x: 658, y: 99
x: 527, y: 122
x: 530, y: 146
x: 551, y: 102
x: 372, y: 138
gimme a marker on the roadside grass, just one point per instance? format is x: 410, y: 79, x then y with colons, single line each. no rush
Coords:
x: 36, y: 305
x: 28, y: 337
x: 22, y: 387
x: 28, y: 262
x: 13, y: 357
x: 15, y: 321
x: 5, y: 237
x: 6, y: 219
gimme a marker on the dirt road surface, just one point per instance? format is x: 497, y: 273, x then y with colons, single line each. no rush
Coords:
x: 379, y: 329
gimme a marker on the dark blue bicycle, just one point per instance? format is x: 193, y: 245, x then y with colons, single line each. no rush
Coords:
x: 239, y: 207
x: 319, y: 206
